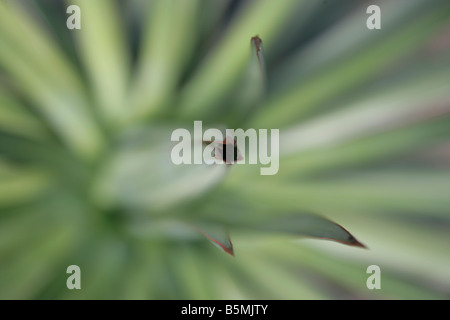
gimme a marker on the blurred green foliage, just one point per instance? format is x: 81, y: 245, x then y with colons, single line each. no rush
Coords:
x: 85, y: 170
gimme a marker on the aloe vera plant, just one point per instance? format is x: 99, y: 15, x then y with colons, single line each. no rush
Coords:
x: 86, y: 177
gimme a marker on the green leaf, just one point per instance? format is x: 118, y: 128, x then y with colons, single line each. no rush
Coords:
x: 395, y: 191
x: 16, y: 119
x: 103, y: 51
x: 45, y: 254
x: 350, y: 273
x: 226, y: 63
x: 310, y: 225
x: 343, y: 39
x: 366, y: 150
x: 99, y: 263
x: 275, y: 280
x: 20, y: 186
x: 423, y: 96
x: 142, y: 275
x: 232, y: 210
x: 189, y: 264
x: 168, y: 41
x: 141, y: 174
x: 252, y: 90
x: 295, y: 102
x: 46, y: 77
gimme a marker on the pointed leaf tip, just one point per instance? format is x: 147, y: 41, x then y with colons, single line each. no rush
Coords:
x: 217, y: 235
x: 311, y: 226
x: 351, y: 240
x: 256, y: 44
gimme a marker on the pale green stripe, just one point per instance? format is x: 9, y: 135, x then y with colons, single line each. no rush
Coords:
x: 103, y: 50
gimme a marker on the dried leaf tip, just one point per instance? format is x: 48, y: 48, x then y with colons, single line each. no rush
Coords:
x: 226, y: 246
x: 257, y: 41
x: 218, y: 236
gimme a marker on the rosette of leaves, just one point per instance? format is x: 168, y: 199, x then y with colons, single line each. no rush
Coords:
x: 85, y: 172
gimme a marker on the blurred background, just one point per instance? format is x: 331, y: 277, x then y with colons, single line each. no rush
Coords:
x: 85, y: 172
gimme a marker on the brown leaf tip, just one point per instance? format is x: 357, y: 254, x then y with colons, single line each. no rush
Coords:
x: 229, y: 250
x: 226, y: 248
x: 258, y: 42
